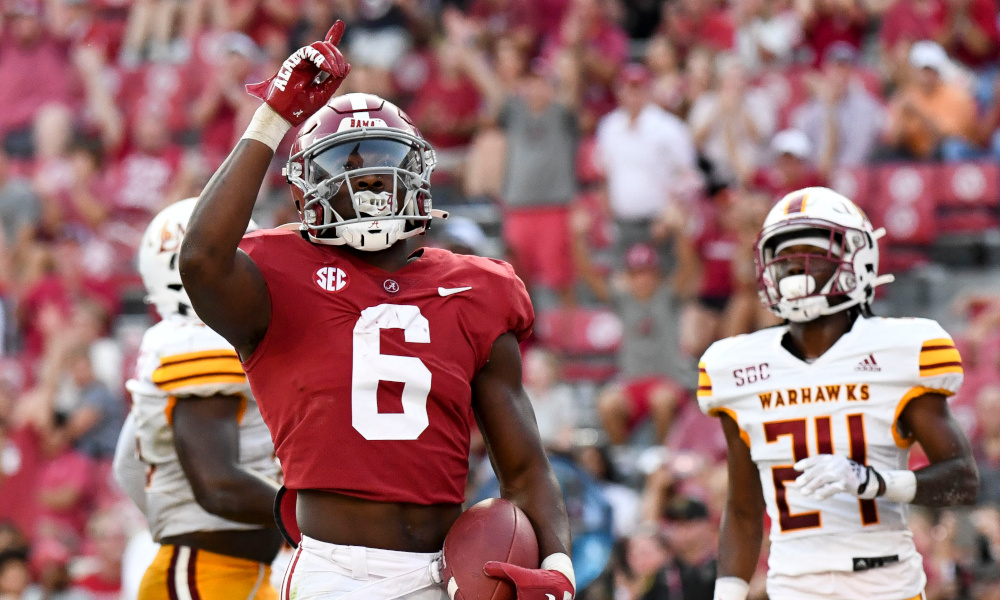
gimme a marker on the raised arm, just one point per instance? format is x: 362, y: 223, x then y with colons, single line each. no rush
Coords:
x: 225, y: 286
x: 507, y: 422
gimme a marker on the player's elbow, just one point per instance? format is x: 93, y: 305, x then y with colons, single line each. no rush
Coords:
x: 192, y: 261
x: 218, y: 494
x: 967, y: 484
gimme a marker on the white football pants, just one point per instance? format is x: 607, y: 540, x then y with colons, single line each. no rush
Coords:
x: 322, y: 571
x: 899, y: 581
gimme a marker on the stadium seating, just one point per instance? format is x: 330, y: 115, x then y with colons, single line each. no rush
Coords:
x: 585, y: 339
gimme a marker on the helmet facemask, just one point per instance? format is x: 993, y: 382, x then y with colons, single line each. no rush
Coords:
x: 804, y: 296
x: 378, y: 218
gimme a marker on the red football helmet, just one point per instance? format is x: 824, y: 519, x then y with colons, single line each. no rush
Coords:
x: 356, y: 135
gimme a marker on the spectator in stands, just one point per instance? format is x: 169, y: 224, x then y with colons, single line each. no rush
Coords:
x: 705, y: 255
x: 590, y: 35
x: 655, y: 375
x: 986, y: 443
x: 692, y: 24
x: 649, y: 163
x: 99, y: 414
x: 20, y: 207
x: 268, y: 21
x: 792, y: 169
x: 552, y: 401
x: 102, y: 576
x: 843, y: 121
x: 49, y: 560
x: 692, y: 538
x: 767, y: 33
x: 827, y: 23
x: 642, y: 574
x: 968, y: 31
x: 732, y: 123
x: 21, y: 462
x: 931, y: 117
x: 224, y: 109
x: 63, y: 487
x: 906, y: 22
x: 625, y: 501
x: 142, y: 176
x: 540, y: 172
x: 446, y: 109
x: 377, y: 38
x: 15, y: 575
x: 27, y: 49
x: 668, y: 83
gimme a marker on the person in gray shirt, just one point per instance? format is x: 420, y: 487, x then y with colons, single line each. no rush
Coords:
x: 655, y: 375
x: 20, y: 207
x: 99, y: 414
x: 843, y: 121
x: 540, y: 126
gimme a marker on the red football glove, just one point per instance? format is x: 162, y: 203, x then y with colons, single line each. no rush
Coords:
x: 532, y: 584
x: 296, y: 92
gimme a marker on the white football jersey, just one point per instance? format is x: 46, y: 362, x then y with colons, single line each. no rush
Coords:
x: 181, y: 358
x: 846, y: 402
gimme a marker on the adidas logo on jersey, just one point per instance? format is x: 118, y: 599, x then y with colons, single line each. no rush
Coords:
x: 868, y: 365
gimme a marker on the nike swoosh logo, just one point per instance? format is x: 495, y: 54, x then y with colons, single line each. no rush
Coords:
x: 450, y: 291
x: 549, y: 597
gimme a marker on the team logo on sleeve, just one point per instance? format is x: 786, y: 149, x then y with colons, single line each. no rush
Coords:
x: 332, y: 279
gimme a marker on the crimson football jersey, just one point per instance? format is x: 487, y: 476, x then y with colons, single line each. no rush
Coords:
x: 364, y: 376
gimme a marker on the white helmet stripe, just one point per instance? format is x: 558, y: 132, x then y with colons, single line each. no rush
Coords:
x: 359, y: 102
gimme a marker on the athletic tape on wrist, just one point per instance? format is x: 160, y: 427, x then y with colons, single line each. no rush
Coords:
x: 731, y: 588
x: 562, y: 563
x: 267, y: 127
x: 900, y: 486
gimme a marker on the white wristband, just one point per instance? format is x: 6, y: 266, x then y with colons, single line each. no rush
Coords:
x: 562, y: 563
x: 900, y: 486
x: 731, y: 588
x: 267, y: 127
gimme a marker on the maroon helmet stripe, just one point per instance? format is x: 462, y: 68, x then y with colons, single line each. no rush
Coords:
x: 795, y: 206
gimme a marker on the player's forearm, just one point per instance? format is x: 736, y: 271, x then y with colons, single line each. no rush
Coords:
x: 223, y: 212
x: 947, y: 483
x: 740, y: 539
x: 537, y: 493
x: 241, y: 496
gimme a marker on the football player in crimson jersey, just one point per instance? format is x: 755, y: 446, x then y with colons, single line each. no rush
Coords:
x: 367, y: 359
x: 820, y: 413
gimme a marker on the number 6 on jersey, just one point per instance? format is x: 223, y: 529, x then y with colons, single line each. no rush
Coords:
x: 371, y: 367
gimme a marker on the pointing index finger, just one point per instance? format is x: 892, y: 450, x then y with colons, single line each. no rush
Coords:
x: 336, y: 32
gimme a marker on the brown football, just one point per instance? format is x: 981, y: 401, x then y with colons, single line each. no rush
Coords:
x: 493, y: 529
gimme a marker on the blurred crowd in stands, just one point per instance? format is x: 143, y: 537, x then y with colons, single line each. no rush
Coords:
x: 620, y: 153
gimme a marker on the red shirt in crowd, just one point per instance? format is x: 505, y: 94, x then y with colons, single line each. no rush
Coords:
x: 443, y: 104
x: 714, y: 30
x: 68, y: 471
x: 716, y: 247
x: 827, y: 29
x: 911, y: 20
x: 23, y: 91
x: 161, y: 87
x: 21, y: 464
x: 776, y: 184
x: 139, y: 182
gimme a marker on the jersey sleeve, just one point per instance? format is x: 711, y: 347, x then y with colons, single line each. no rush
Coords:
x: 521, y: 315
x: 938, y: 371
x: 939, y: 363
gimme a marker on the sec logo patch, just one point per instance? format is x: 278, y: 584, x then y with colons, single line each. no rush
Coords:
x: 332, y: 279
